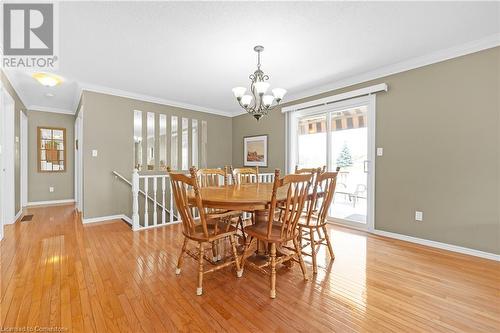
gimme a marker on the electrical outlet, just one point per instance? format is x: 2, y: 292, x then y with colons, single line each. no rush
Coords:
x: 94, y: 153
x: 51, y: 189
x: 419, y: 216
x: 380, y: 151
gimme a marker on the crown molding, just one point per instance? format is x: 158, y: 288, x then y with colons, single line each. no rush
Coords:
x: 485, y: 43
x: 151, y: 99
x: 49, y: 109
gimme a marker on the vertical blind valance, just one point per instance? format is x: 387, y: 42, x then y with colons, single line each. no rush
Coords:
x: 335, y: 98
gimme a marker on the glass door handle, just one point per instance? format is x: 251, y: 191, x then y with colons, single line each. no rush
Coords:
x: 365, y: 166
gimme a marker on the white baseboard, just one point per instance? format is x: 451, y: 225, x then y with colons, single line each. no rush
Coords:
x: 18, y: 215
x: 50, y: 202
x: 439, y: 245
x: 127, y: 219
x: 107, y: 218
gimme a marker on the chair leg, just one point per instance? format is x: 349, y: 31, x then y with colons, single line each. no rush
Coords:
x: 313, y: 251
x: 273, y: 270
x: 240, y: 221
x: 298, y: 250
x: 328, y: 243
x: 199, y: 290
x: 239, y: 271
x: 214, y: 251
x: 180, y: 260
x: 300, y: 237
x: 248, y: 244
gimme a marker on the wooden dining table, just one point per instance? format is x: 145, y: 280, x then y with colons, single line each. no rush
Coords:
x: 249, y: 197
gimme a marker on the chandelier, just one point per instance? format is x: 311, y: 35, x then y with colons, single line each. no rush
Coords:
x: 258, y: 104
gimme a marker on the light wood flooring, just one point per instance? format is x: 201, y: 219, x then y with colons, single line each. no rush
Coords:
x: 56, y: 272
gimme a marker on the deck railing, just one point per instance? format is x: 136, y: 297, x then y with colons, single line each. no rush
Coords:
x: 153, y: 202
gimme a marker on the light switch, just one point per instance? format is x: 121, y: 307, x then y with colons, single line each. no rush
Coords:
x: 380, y: 151
x: 94, y: 153
x: 51, y: 189
x: 419, y: 216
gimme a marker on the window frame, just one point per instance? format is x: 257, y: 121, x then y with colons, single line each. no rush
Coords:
x: 39, y: 148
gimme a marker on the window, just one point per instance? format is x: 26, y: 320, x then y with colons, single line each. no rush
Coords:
x: 185, y: 144
x: 163, y: 142
x: 138, y: 139
x: 204, y: 140
x: 173, y: 143
x: 311, y: 141
x: 194, y: 142
x: 51, y: 149
x: 151, y: 140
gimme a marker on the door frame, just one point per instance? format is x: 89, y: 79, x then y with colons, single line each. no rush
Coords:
x: 7, y: 161
x: 79, y: 161
x: 24, y: 159
x: 292, y: 146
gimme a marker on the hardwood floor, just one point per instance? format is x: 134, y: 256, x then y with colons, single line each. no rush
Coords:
x: 106, y: 278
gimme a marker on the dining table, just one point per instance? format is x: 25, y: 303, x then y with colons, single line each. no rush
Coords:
x: 248, y: 197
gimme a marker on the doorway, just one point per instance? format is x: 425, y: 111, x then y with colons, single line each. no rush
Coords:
x: 24, y: 159
x: 79, y: 160
x: 340, y: 135
x: 7, y: 155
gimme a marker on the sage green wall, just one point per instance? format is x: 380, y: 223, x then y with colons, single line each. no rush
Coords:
x: 439, y: 127
x: 18, y: 107
x: 39, y: 182
x: 108, y: 128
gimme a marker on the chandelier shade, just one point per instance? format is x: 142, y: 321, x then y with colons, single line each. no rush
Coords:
x: 257, y: 103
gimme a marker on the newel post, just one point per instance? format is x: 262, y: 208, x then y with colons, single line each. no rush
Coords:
x: 135, y: 200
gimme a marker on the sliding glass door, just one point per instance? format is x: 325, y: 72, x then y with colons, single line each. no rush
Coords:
x: 339, y: 135
x: 349, y: 152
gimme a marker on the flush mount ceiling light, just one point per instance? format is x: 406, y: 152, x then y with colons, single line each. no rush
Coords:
x: 258, y: 104
x: 47, y: 80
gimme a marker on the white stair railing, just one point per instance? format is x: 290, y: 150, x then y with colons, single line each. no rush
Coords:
x: 141, y: 220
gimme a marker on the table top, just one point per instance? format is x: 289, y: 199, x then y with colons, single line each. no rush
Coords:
x: 244, y: 196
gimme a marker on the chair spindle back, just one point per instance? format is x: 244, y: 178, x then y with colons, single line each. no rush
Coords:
x: 180, y: 186
x: 324, y: 191
x: 212, y: 177
x: 246, y: 175
x: 297, y: 188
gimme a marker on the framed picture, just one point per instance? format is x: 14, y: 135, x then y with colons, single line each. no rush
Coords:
x: 255, y: 151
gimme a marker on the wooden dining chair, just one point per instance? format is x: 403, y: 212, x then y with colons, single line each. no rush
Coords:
x: 246, y: 175
x: 212, y: 177
x: 202, y: 230
x: 313, y: 222
x: 220, y: 177
x: 280, y: 231
x: 299, y: 171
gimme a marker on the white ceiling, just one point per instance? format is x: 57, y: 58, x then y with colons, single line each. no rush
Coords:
x: 195, y: 52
